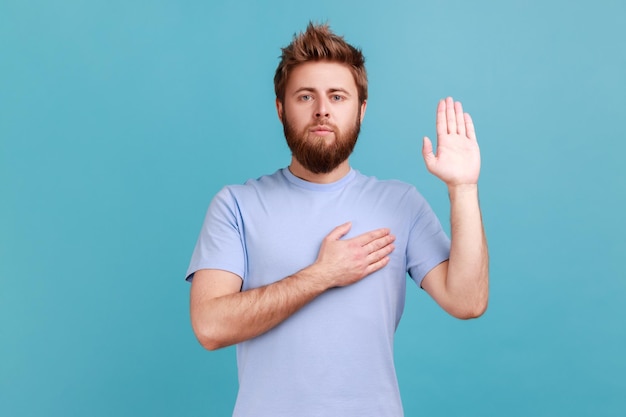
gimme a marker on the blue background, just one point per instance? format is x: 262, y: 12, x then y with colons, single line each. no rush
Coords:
x: 119, y: 120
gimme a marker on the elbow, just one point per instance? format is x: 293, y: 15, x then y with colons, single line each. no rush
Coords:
x: 472, y: 304
x: 210, y: 343
x: 471, y: 312
x: 211, y: 333
x: 208, y: 337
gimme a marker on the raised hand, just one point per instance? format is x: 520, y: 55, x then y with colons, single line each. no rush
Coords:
x: 344, y: 262
x: 457, y: 161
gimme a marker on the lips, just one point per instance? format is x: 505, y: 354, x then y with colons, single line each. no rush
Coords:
x: 321, y: 129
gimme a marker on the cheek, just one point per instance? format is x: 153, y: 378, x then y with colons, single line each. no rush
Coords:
x: 297, y: 117
x: 350, y: 117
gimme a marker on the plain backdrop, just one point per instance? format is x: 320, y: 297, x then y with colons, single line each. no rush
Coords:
x: 119, y: 120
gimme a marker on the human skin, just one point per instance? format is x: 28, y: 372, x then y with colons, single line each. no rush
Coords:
x: 222, y: 314
x: 322, y: 105
x: 461, y: 285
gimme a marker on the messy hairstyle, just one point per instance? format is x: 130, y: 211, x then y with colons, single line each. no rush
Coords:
x: 319, y: 43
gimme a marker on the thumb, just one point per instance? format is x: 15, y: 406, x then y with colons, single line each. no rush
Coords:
x: 427, y: 152
x: 339, y: 231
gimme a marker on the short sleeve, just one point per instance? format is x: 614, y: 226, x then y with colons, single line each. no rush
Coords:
x: 428, y: 245
x: 220, y: 243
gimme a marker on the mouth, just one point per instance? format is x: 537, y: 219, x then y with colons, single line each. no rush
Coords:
x: 321, y: 130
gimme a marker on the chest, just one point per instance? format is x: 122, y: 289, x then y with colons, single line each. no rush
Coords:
x: 282, y: 234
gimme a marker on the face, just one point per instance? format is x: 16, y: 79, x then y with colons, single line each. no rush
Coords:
x: 321, y: 115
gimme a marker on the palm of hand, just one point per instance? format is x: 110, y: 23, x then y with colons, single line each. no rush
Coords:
x: 457, y: 160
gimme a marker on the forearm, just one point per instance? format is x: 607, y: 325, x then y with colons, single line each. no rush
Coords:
x: 467, y: 281
x: 222, y: 315
x: 236, y: 317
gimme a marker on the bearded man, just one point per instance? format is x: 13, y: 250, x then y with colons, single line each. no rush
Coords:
x: 305, y: 269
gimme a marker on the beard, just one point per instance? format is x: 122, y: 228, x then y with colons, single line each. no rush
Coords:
x: 313, y: 152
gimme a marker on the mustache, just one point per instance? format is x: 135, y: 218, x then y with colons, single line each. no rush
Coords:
x: 323, y: 124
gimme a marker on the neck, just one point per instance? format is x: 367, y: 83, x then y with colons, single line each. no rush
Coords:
x: 335, y: 175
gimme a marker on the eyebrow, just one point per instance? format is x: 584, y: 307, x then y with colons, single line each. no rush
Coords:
x: 330, y: 90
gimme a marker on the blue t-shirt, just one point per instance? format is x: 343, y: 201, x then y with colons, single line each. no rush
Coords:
x: 334, y: 357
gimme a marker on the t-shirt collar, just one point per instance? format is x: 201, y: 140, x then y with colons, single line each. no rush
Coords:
x: 313, y: 186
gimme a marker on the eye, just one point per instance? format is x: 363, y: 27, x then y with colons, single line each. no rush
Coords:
x: 336, y: 97
x: 306, y: 97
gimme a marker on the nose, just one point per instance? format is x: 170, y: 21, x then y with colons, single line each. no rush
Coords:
x: 321, y: 111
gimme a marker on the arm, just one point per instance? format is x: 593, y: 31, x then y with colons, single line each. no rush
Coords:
x: 222, y: 315
x: 461, y: 285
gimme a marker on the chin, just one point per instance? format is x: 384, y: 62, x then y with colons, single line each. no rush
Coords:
x: 328, y: 139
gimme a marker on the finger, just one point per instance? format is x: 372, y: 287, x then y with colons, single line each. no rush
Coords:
x: 469, y: 126
x: 458, y: 114
x: 380, y: 245
x: 375, y: 266
x: 442, y: 125
x: 339, y: 231
x: 368, y: 237
x: 450, y: 116
x: 427, y: 152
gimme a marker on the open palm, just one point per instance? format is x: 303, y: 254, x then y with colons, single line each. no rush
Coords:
x: 457, y: 160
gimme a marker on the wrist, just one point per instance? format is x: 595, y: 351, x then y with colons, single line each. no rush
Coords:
x: 462, y: 188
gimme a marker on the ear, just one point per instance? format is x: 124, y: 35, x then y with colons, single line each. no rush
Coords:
x: 279, y: 110
x: 363, y: 107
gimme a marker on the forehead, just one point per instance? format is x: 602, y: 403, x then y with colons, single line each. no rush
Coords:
x: 321, y: 75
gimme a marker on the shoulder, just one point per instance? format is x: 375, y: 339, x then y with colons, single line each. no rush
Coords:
x: 231, y: 202
x: 252, y: 186
x: 389, y: 188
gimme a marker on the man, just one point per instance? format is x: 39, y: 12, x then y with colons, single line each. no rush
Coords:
x: 305, y: 269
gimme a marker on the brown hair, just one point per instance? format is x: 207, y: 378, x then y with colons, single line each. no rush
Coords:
x: 319, y: 43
